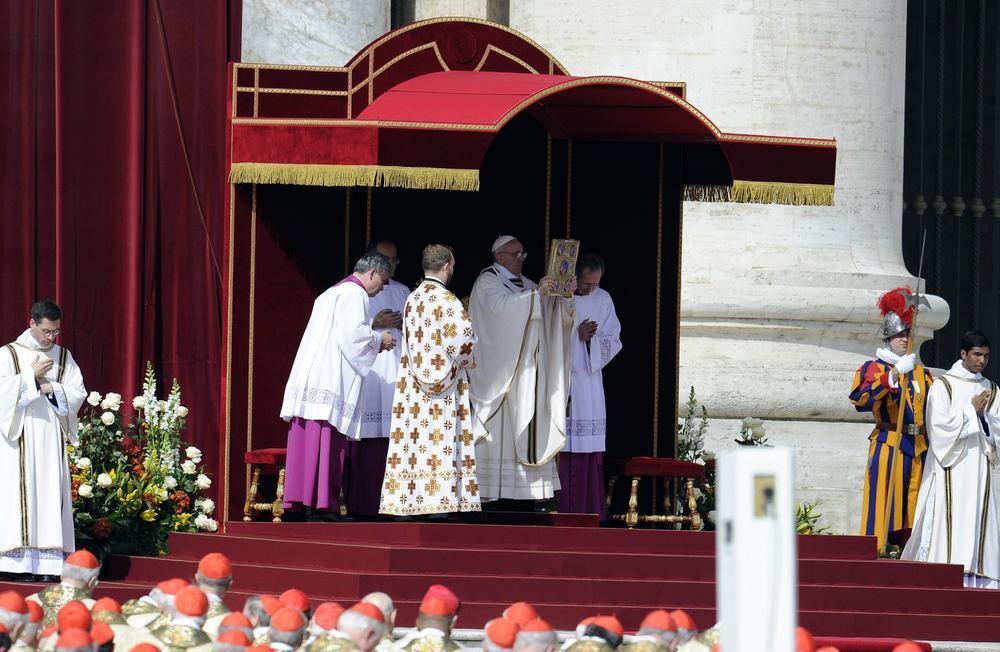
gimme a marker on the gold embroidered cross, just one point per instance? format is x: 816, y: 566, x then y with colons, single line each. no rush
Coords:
x: 397, y: 435
x: 472, y: 487
x: 412, y: 486
x: 438, y: 362
x: 467, y: 348
x: 419, y: 334
x: 420, y: 308
x: 433, y: 486
x: 436, y: 411
x: 401, y: 386
x: 438, y: 313
x: 418, y: 359
x: 466, y: 437
x: 463, y: 411
x: 414, y: 435
x: 413, y: 463
x: 415, y: 410
x: 450, y: 330
x: 398, y: 410
x: 434, y: 462
x: 394, y: 460
x: 468, y: 463
x: 437, y: 436
x: 391, y: 486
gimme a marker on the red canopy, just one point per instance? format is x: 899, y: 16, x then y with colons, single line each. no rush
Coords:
x: 433, y: 130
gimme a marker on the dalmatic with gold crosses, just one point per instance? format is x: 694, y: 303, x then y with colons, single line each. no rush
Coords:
x: 875, y: 391
x: 431, y: 464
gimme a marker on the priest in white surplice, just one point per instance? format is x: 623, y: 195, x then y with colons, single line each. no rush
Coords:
x: 520, y: 385
x: 366, y: 456
x: 41, y: 391
x: 957, y: 508
x: 323, y: 392
x: 596, y: 341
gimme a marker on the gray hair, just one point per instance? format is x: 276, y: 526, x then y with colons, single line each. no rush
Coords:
x: 255, y: 612
x: 292, y: 639
x: 226, y: 647
x: 14, y: 622
x: 374, y: 262
x: 360, y: 627
x: 80, y: 574
x: 213, y: 584
x: 384, y: 604
x: 535, y: 640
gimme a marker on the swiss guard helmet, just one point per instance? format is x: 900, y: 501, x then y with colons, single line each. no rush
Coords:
x: 897, y: 313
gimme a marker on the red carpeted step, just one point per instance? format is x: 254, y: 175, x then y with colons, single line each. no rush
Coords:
x: 536, y: 538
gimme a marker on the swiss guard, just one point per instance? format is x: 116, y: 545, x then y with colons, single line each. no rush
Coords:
x: 895, y: 454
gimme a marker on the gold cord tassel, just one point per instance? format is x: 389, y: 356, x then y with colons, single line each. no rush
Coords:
x: 374, y: 176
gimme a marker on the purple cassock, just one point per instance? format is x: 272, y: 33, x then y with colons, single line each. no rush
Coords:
x: 314, y: 469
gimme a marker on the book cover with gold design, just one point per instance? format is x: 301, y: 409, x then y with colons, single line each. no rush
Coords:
x: 562, y: 264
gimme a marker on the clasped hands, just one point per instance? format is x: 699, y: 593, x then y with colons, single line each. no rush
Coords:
x: 40, y: 366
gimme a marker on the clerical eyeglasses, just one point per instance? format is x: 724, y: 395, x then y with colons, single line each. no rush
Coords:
x: 51, y: 332
x: 520, y: 255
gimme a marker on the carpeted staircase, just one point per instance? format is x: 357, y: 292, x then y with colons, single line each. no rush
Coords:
x: 569, y: 573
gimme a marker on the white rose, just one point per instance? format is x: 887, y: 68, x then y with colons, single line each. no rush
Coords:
x: 170, y: 482
x: 94, y: 399
x: 83, y: 463
x: 200, y: 521
x: 182, y: 411
x: 711, y: 516
x: 85, y: 491
x: 189, y: 467
x: 163, y: 493
x: 206, y: 505
x: 112, y: 401
x: 203, y: 481
x: 104, y: 480
x: 108, y: 418
x: 757, y: 432
x: 708, y: 456
x: 138, y: 402
x: 196, y: 460
x: 192, y: 452
x: 211, y: 525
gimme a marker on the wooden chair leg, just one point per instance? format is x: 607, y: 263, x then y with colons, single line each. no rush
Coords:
x: 251, y: 494
x: 278, y: 510
x: 632, y: 517
x: 695, y: 522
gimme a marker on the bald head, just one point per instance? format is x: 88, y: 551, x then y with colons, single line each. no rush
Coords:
x: 385, y: 605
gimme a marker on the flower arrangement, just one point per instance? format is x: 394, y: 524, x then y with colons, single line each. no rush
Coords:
x: 130, y: 488
x: 752, y: 433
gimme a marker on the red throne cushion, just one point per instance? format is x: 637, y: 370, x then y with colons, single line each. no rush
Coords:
x: 664, y: 467
x: 268, y: 456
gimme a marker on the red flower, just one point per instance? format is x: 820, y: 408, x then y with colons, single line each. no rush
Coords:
x: 75, y: 488
x: 182, y: 502
x: 102, y: 529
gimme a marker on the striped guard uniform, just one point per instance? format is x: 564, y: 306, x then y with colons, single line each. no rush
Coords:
x: 873, y: 392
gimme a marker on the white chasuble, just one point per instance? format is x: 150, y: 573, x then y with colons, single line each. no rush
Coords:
x: 957, y: 508
x: 587, y: 424
x: 520, y: 386
x: 337, y: 351
x: 380, y: 383
x: 431, y: 464
x: 37, y: 509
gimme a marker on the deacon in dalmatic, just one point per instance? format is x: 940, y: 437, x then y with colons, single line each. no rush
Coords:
x: 431, y: 464
x: 366, y: 455
x: 957, y: 518
x: 323, y: 392
x: 596, y: 342
x: 41, y: 391
x: 520, y: 383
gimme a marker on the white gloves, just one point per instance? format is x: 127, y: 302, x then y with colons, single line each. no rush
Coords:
x: 906, y: 364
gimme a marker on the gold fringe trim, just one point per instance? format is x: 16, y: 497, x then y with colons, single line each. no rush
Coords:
x: 371, y: 176
x: 707, y: 193
x: 791, y: 194
x: 763, y: 192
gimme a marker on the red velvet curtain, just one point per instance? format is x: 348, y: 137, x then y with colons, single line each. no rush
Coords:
x: 113, y: 187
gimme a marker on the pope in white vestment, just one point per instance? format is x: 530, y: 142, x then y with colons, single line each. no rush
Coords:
x: 323, y: 393
x: 521, y: 380
x: 36, y: 509
x: 957, y: 508
x: 596, y: 341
